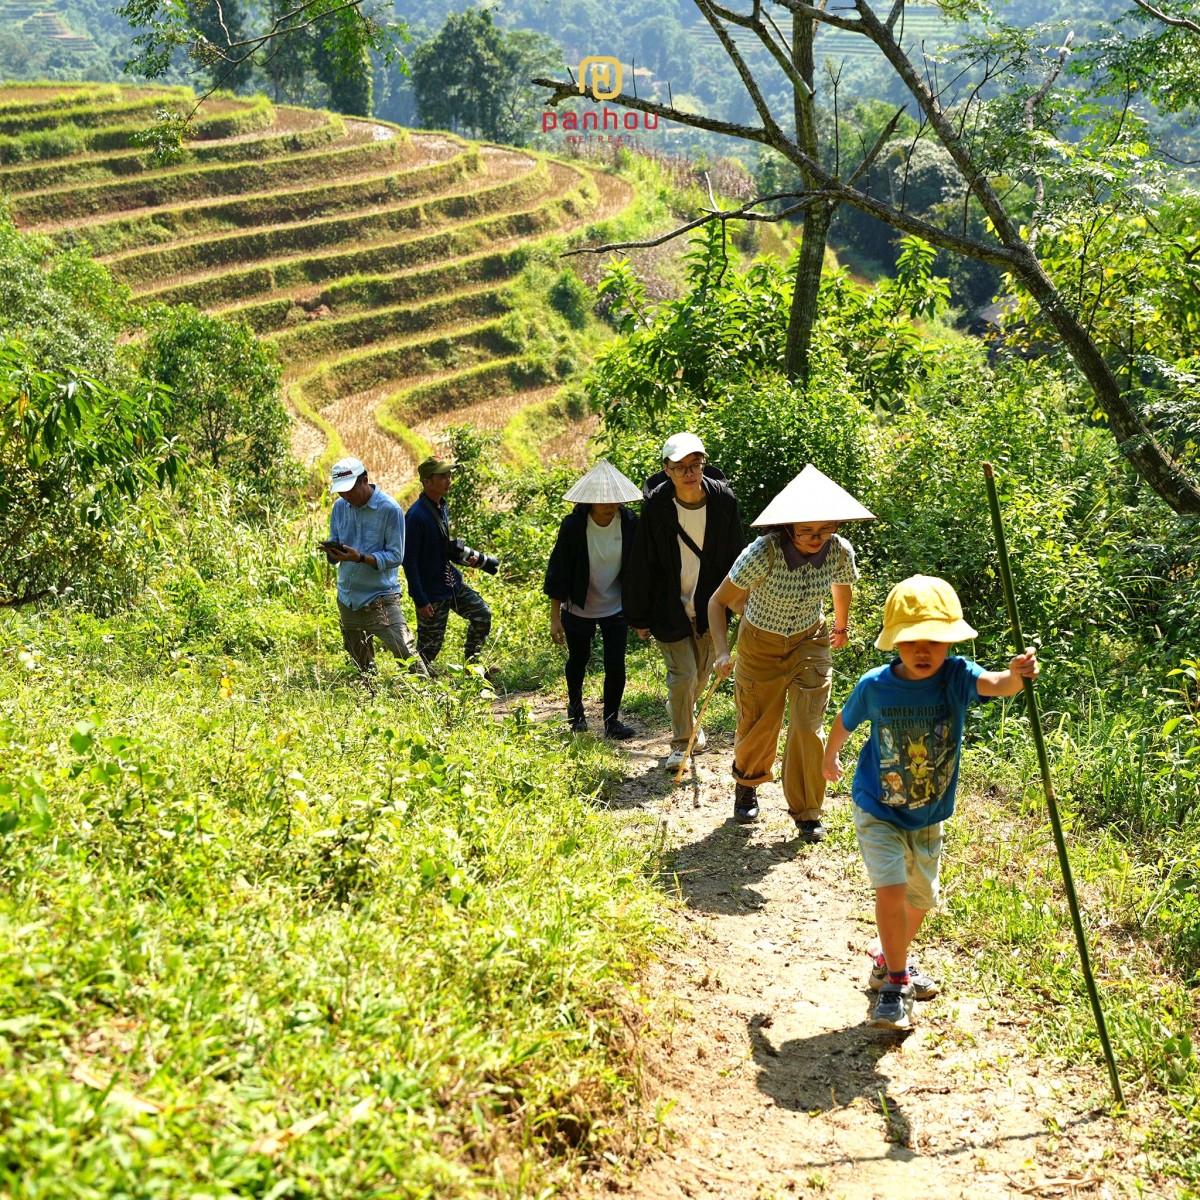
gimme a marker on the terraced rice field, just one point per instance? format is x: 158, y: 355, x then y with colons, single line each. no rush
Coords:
x: 373, y: 258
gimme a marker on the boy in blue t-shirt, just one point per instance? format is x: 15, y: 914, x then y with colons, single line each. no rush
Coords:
x: 908, y: 770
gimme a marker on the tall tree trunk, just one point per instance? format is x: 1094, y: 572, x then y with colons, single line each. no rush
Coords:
x: 817, y: 217
x: 803, y: 315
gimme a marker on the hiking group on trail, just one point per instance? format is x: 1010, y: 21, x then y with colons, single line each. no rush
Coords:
x: 675, y: 575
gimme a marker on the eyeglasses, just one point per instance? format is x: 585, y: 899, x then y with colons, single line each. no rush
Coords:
x: 693, y: 469
x: 821, y: 535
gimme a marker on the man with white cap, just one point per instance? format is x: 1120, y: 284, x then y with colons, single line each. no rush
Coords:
x: 583, y: 581
x: 366, y: 540
x: 688, y: 538
x: 779, y: 584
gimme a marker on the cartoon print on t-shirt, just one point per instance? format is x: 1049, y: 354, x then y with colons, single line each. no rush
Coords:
x: 917, y: 755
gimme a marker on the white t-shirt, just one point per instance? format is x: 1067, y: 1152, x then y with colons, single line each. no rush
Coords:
x: 604, y: 567
x: 693, y: 522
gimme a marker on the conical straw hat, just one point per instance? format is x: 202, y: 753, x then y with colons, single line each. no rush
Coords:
x: 812, y: 496
x: 604, y: 484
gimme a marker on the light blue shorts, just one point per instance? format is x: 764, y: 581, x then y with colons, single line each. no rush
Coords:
x: 894, y: 856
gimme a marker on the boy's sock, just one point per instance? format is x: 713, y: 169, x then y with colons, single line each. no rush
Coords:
x: 899, y: 978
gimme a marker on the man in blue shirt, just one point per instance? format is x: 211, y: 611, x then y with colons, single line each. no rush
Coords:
x: 366, y: 540
x: 436, y: 587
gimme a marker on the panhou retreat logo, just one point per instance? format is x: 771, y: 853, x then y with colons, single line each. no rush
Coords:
x: 601, y: 76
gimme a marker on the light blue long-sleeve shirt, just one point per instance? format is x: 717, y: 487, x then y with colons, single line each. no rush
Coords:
x: 377, y: 528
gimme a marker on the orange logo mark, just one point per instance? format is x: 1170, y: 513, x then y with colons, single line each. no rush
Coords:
x: 607, y: 76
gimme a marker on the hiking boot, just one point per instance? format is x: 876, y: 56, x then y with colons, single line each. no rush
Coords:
x: 618, y: 730
x: 745, y: 802
x: 810, y: 831
x: 676, y: 758
x: 893, y: 1009
x: 577, y: 720
x: 924, y: 986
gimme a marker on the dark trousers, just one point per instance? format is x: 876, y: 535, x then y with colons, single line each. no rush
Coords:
x: 472, y: 607
x: 580, y: 631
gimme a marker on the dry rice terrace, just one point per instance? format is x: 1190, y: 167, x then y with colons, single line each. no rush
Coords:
x: 374, y: 258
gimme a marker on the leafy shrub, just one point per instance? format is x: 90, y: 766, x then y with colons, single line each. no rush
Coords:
x: 75, y: 455
x: 226, y: 404
x: 572, y: 298
x: 66, y: 309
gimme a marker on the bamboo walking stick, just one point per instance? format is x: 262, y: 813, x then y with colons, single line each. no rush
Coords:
x: 1035, y: 726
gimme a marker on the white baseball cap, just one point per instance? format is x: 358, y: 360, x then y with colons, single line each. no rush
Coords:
x: 345, y: 474
x: 680, y: 445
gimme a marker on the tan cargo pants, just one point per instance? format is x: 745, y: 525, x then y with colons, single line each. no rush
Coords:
x: 689, y: 663
x: 773, y: 670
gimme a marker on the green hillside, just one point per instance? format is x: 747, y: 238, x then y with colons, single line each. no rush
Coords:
x: 373, y: 258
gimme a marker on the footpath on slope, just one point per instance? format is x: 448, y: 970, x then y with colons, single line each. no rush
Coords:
x: 757, y: 1044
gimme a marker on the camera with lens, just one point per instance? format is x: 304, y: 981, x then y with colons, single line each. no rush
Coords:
x: 461, y: 554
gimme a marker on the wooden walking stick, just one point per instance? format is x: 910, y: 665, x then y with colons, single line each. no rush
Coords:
x: 1035, y: 726
x: 712, y: 687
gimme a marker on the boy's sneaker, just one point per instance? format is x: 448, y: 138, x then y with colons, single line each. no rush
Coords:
x: 924, y: 986
x: 745, y: 802
x: 893, y: 1009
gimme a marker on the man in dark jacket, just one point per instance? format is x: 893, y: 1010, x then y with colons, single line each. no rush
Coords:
x: 688, y: 537
x: 436, y: 586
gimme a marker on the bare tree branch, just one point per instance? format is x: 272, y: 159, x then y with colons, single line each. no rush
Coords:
x: 761, y: 107
x: 570, y: 91
x: 744, y: 213
x: 755, y: 23
x: 1159, y: 15
x: 872, y: 154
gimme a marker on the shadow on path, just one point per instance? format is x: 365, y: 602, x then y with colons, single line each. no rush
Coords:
x: 717, y: 874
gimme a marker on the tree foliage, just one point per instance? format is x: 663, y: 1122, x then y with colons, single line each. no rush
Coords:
x: 75, y: 455
x: 225, y: 49
x: 65, y: 308
x: 225, y: 388
x: 474, y: 77
x: 998, y: 109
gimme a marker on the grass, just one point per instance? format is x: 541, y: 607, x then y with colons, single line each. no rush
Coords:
x: 263, y: 931
x: 378, y: 222
x: 91, y: 168
x: 277, y: 207
x: 165, y: 187
x: 463, y: 238
x: 317, y: 338
x: 366, y: 293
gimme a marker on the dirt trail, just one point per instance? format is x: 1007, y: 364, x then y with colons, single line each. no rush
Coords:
x: 778, y: 1086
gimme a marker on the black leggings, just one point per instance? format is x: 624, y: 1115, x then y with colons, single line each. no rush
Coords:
x: 580, y: 631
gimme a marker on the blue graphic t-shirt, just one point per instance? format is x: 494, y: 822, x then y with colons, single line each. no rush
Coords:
x: 908, y: 768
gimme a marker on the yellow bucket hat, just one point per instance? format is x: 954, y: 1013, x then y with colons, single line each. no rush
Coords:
x: 922, y: 608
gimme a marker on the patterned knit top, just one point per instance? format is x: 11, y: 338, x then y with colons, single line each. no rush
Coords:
x: 784, y: 601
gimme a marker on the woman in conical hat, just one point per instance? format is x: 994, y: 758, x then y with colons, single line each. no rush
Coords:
x: 583, y: 581
x: 779, y: 584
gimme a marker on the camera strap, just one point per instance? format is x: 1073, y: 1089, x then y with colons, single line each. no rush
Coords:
x: 443, y: 527
x: 444, y: 530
